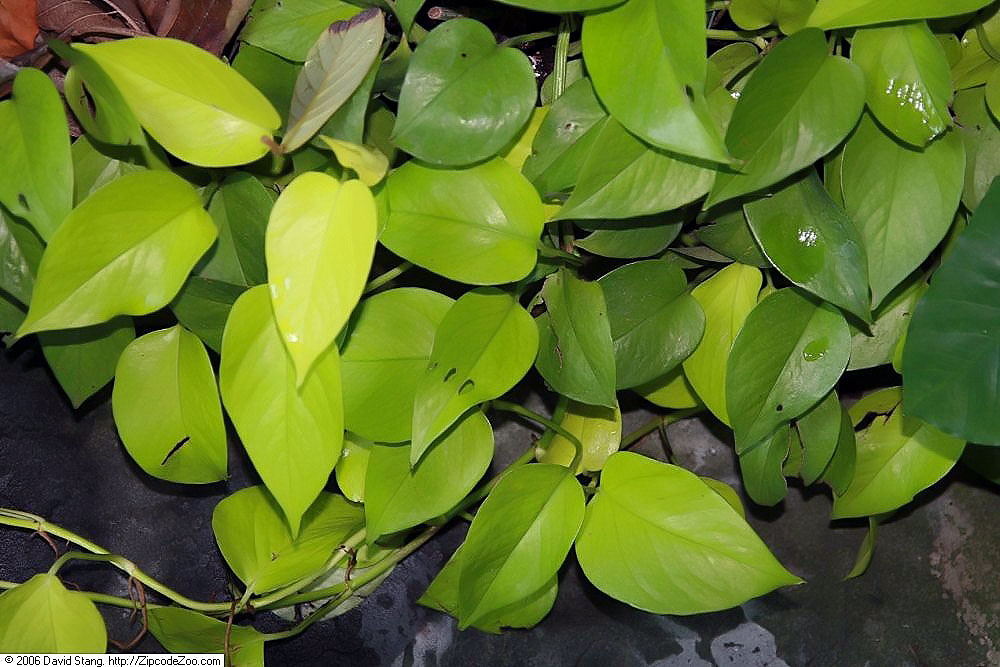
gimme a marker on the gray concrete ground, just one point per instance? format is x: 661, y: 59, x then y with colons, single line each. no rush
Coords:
x: 931, y: 596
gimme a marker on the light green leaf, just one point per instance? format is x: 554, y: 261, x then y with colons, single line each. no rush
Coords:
x: 789, y: 15
x: 865, y: 551
x: 83, y: 360
x: 125, y: 250
x: 831, y: 14
x: 897, y: 457
x: 203, y: 306
x: 819, y: 431
x: 162, y: 79
x: 798, y: 104
x: 41, y: 616
x: 670, y: 391
x: 576, y: 354
x: 353, y: 466
x: 20, y: 253
x: 981, y: 137
x: 478, y: 225
x: 484, y: 345
x: 464, y: 97
x: 367, y: 162
x: 442, y: 594
x: 761, y: 468
x: 256, y: 543
x: 726, y: 299
x: 951, y: 354
x: 320, y: 243
x: 93, y: 168
x: 655, y: 322
x: 518, y: 540
x: 289, y: 28
x: 902, y: 200
x: 397, y: 497
x: 166, y: 408
x: 622, y: 177
x: 976, y: 66
x: 38, y: 171
x: 517, y: 151
x: 599, y: 430
x: 908, y: 80
x: 789, y: 354
x: 664, y: 43
x: 293, y: 435
x: 813, y: 243
x: 185, y: 631
x: 890, y: 322
x: 240, y: 209
x: 335, y: 66
x: 384, y: 355
x: 658, y: 538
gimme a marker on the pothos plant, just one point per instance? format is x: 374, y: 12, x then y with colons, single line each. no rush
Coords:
x: 723, y: 220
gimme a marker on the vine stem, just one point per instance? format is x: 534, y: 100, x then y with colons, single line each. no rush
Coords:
x: 102, y: 598
x: 530, y: 37
x: 739, y: 35
x: 516, y: 409
x: 657, y: 422
x: 388, y: 276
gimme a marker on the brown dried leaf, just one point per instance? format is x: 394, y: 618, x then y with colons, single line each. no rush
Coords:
x: 81, y: 18
x: 17, y: 27
x: 208, y: 23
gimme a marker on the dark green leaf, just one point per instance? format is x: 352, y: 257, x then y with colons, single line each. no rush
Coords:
x: 819, y: 431
x: 83, y: 360
x: 761, y: 468
x: 632, y: 237
x: 240, y: 210
x: 730, y: 235
x: 290, y: 27
x: 203, y: 306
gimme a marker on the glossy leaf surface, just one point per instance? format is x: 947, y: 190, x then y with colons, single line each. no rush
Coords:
x: 181, y: 439
x: 688, y: 550
x: 598, y: 429
x: 830, y: 14
x: 761, y: 468
x: 819, y: 431
x: 41, y: 616
x: 789, y: 15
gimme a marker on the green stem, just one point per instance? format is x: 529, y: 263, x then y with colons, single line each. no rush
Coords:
x: 278, y: 596
x: 544, y: 421
x: 547, y: 251
x: 530, y: 37
x: 738, y: 35
x: 484, y: 490
x: 665, y: 420
x: 557, y: 416
x: 562, y: 57
x: 386, y: 277
x: 102, y: 598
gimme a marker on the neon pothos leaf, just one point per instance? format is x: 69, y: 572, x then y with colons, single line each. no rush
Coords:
x: 367, y: 162
x: 37, y: 182
x: 162, y: 79
x: 41, y: 616
x: 126, y: 250
x: 293, y: 435
x: 320, y: 240
x: 832, y: 14
x: 335, y: 67
x: 184, y: 631
x: 483, y: 347
x: 166, y: 408
x: 688, y: 551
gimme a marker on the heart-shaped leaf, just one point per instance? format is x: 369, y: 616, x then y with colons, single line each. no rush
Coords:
x: 41, y: 616
x: 184, y: 631
x: 789, y: 15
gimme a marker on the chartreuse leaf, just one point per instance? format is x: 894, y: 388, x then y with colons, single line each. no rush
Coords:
x: 564, y: 138
x: 186, y: 441
x: 599, y: 430
x: 798, y: 104
x: 162, y: 79
x: 726, y: 299
x: 184, y: 631
x: 383, y: 358
x: 865, y: 551
x: 38, y: 171
x: 670, y: 391
x: 655, y: 322
x: 464, y: 97
x: 293, y: 434
x: 41, y: 616
x: 687, y: 550
x: 335, y: 66
x: 576, y: 353
x: 876, y: 346
x: 902, y: 200
x: 819, y: 432
x: 20, y: 253
x: 203, y: 306
x: 952, y: 354
x: 484, y: 345
x: 789, y: 15
x: 813, y: 243
x: 290, y: 28
x: 761, y: 468
x: 256, y: 543
x: 664, y: 43
x: 83, y: 360
x: 897, y: 457
x: 789, y: 354
x: 975, y: 67
x: 908, y: 79
x: 832, y: 14
x: 353, y: 466
x: 93, y: 169
x: 367, y: 162
x: 518, y: 540
x: 442, y: 594
x: 240, y: 209
x: 622, y: 177
x: 398, y: 497
x: 478, y: 225
x: 125, y: 250
x: 517, y: 151
x: 319, y: 245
